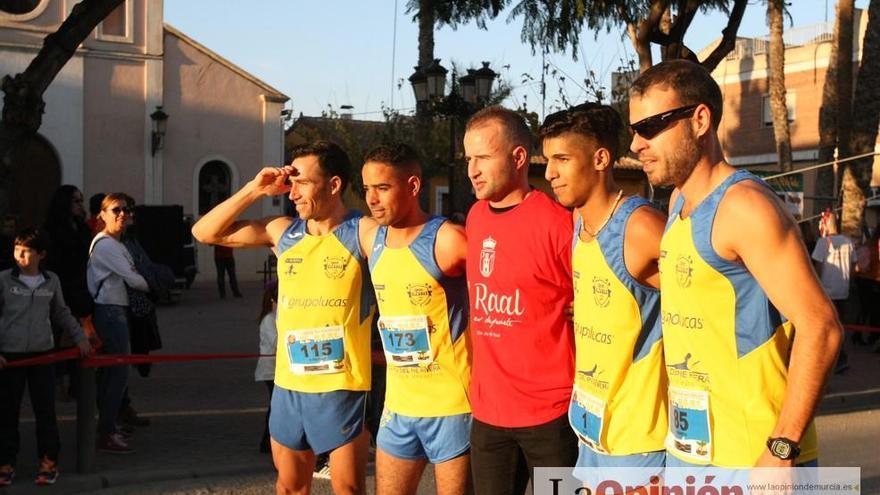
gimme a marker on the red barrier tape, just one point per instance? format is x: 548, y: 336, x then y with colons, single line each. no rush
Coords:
x: 100, y: 360
x: 52, y: 357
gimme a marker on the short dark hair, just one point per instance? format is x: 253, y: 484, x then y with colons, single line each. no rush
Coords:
x: 691, y: 82
x: 95, y: 203
x: 332, y: 159
x: 593, y: 120
x: 515, y: 127
x: 34, y: 238
x: 399, y: 156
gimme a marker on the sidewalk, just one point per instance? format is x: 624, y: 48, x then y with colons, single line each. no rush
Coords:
x: 858, y: 387
x: 207, y: 417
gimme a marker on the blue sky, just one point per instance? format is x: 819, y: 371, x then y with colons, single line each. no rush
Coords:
x: 338, y: 52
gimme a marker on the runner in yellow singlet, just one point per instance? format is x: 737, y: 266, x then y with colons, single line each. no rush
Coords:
x: 417, y: 264
x: 325, y: 311
x: 735, y: 280
x: 618, y: 406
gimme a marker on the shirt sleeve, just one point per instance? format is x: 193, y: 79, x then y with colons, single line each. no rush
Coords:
x: 114, y: 259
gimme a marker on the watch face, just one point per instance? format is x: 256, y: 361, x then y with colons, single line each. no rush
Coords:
x: 781, y: 449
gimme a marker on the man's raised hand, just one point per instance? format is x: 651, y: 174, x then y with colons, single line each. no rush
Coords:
x: 272, y: 181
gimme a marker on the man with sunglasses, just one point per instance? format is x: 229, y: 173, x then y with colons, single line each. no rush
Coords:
x: 618, y: 406
x: 325, y: 312
x: 736, y: 281
x: 519, y: 279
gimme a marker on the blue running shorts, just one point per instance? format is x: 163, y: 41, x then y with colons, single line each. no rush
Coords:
x: 590, y: 465
x: 437, y: 439
x: 320, y: 422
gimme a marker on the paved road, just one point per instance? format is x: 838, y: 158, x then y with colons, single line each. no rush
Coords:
x: 207, y: 416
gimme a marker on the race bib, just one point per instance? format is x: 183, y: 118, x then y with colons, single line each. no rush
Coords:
x: 586, y: 415
x: 406, y: 340
x: 316, y: 351
x: 689, y: 432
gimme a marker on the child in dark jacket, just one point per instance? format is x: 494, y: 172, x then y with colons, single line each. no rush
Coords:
x: 30, y: 303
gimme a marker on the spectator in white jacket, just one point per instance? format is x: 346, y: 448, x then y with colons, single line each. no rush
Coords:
x: 111, y: 273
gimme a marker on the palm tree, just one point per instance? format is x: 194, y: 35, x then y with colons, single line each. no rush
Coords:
x: 865, y: 121
x: 828, y: 118
x: 433, y: 13
x: 778, y: 105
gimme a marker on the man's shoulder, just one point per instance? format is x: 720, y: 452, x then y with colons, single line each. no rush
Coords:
x: 751, y: 201
x: 450, y: 232
x: 645, y: 224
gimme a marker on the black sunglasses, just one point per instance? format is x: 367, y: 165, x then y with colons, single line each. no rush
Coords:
x: 655, y: 124
x: 120, y: 209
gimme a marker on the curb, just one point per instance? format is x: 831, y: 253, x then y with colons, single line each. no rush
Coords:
x: 90, y: 483
x: 844, y: 402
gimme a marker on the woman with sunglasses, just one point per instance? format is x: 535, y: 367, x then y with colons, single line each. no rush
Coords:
x: 111, y: 271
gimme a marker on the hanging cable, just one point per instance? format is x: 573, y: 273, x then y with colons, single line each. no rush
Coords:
x: 826, y: 164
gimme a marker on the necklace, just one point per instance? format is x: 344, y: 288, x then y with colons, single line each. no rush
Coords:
x: 595, y: 234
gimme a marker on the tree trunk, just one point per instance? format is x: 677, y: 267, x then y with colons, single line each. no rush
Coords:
x: 828, y: 114
x: 777, y: 85
x: 667, y: 51
x: 865, y: 120
x: 641, y: 45
x: 728, y: 36
x: 640, y: 32
x: 844, y: 76
x: 23, y: 103
x: 853, y: 203
x: 426, y: 32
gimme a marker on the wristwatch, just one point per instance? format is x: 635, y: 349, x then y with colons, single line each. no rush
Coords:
x: 783, y: 448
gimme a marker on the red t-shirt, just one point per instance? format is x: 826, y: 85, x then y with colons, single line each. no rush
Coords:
x: 519, y: 280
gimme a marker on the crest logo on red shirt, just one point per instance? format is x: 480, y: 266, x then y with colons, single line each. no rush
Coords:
x: 487, y: 257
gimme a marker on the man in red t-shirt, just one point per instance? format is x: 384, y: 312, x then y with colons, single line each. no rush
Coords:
x: 519, y: 279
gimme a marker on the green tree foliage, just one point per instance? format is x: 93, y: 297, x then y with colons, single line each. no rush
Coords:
x: 559, y: 23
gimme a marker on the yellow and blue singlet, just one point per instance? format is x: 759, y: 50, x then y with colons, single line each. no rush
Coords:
x: 727, y: 347
x: 325, y: 310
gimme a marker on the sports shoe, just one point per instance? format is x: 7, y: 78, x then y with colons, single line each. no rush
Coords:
x: 113, y: 443
x: 7, y: 473
x: 322, y: 467
x: 48, y: 473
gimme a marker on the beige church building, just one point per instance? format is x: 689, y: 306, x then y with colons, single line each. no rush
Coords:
x: 101, y: 133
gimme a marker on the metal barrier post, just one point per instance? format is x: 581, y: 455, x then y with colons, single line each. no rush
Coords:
x: 85, y: 421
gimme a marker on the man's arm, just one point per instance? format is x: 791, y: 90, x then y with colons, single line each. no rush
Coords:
x: 641, y: 250
x: 450, y: 250
x: 219, y: 226
x: 771, y: 248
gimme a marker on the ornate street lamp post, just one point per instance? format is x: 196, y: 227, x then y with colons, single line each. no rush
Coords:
x: 467, y: 94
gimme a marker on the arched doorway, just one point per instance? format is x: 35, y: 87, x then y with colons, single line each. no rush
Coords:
x: 36, y: 174
x: 215, y: 185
